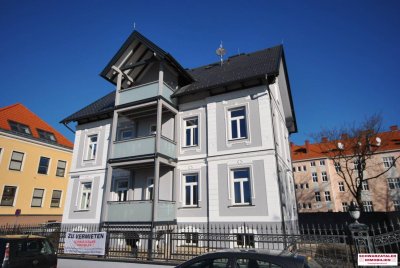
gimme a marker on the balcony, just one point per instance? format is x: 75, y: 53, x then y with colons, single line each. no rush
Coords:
x: 143, y: 146
x: 143, y: 92
x: 140, y: 211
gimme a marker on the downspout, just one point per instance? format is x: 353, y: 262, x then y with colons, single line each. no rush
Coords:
x: 277, y: 164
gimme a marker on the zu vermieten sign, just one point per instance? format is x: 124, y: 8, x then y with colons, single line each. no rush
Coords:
x: 85, y: 243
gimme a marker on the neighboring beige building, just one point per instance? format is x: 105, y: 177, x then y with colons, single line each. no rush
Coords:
x: 320, y: 189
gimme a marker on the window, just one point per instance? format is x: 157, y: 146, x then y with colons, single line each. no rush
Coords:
x: 86, y: 192
x: 46, y: 135
x: 306, y: 185
x: 304, y: 168
x: 18, y: 127
x: 91, y: 149
x: 394, y: 183
x: 191, y: 128
x: 367, y: 206
x: 61, y: 165
x: 301, y: 186
x: 16, y: 161
x: 8, y: 196
x: 191, y: 190
x: 56, y: 199
x: 122, y: 190
x: 338, y: 168
x: 396, y: 204
x: 37, y: 197
x: 324, y: 176
x: 365, y: 186
x: 295, y: 186
x: 322, y: 162
x: 309, y: 205
x: 327, y: 196
x: 388, y: 161
x: 358, y: 165
x: 237, y: 123
x: 294, y: 169
x: 192, y: 238
x: 304, y: 205
x: 125, y: 134
x: 312, y: 163
x: 345, y: 207
x: 245, y: 240
x: 150, y: 189
x: 341, y: 186
x: 299, y: 168
x: 241, y: 186
x: 43, y: 165
x: 314, y: 177
x: 317, y: 197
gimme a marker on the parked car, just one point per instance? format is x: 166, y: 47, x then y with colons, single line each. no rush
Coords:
x: 246, y: 258
x: 23, y: 251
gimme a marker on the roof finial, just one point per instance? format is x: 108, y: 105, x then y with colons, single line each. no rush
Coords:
x: 134, y: 25
x: 221, y: 52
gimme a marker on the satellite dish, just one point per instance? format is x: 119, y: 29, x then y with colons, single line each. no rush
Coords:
x: 340, y: 145
x: 378, y: 141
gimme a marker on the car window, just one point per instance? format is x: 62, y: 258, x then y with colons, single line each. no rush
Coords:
x: 253, y: 263
x: 210, y: 263
x: 33, y: 247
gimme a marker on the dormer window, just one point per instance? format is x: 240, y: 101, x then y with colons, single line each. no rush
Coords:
x: 18, y: 127
x: 46, y: 135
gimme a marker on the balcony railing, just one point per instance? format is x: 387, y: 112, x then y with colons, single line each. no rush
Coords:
x: 143, y: 146
x: 143, y: 92
x: 134, y: 147
x: 140, y: 211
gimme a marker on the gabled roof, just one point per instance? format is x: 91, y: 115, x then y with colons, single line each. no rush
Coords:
x: 20, y: 114
x: 236, y: 69
x: 390, y: 141
x: 101, y: 108
x: 135, y: 50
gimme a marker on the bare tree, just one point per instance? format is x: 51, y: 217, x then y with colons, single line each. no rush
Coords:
x: 353, y: 149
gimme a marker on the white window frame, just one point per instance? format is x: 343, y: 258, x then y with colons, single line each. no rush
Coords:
x: 91, y: 152
x: 48, y: 165
x: 322, y: 162
x: 327, y: 196
x: 58, y: 167
x: 396, y: 205
x: 85, y: 194
x: 368, y: 206
x: 312, y: 164
x: 337, y: 166
x: 18, y: 161
x: 314, y: 176
x: 365, y: 186
x: 37, y: 197
x: 52, y: 197
x: 299, y: 168
x: 341, y: 186
x: 15, y: 196
x: 192, y: 130
x: 237, y: 119
x: 150, y: 188
x: 317, y: 196
x: 324, y: 176
x: 345, y: 206
x: 191, y: 186
x: 388, y: 161
x: 393, y: 183
x: 241, y: 181
x: 123, y: 190
x: 153, y: 132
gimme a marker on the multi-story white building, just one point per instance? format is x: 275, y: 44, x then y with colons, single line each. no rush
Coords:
x: 203, y: 145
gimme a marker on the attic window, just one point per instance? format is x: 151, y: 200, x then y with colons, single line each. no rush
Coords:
x: 18, y: 127
x: 46, y: 135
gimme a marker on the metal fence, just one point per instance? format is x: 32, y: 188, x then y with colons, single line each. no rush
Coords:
x: 330, y: 246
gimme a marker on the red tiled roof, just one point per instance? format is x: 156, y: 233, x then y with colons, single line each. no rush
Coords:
x: 390, y: 141
x: 20, y: 114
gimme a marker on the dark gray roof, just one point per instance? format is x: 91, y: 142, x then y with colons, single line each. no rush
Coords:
x: 235, y: 69
x: 97, y: 109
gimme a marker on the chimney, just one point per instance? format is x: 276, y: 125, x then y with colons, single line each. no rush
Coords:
x: 394, y: 128
x: 307, y: 143
x: 324, y: 139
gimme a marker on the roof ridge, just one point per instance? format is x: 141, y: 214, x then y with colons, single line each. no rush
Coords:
x: 10, y: 106
x: 236, y: 56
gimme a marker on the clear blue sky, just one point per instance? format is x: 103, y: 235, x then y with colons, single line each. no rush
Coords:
x: 343, y: 56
